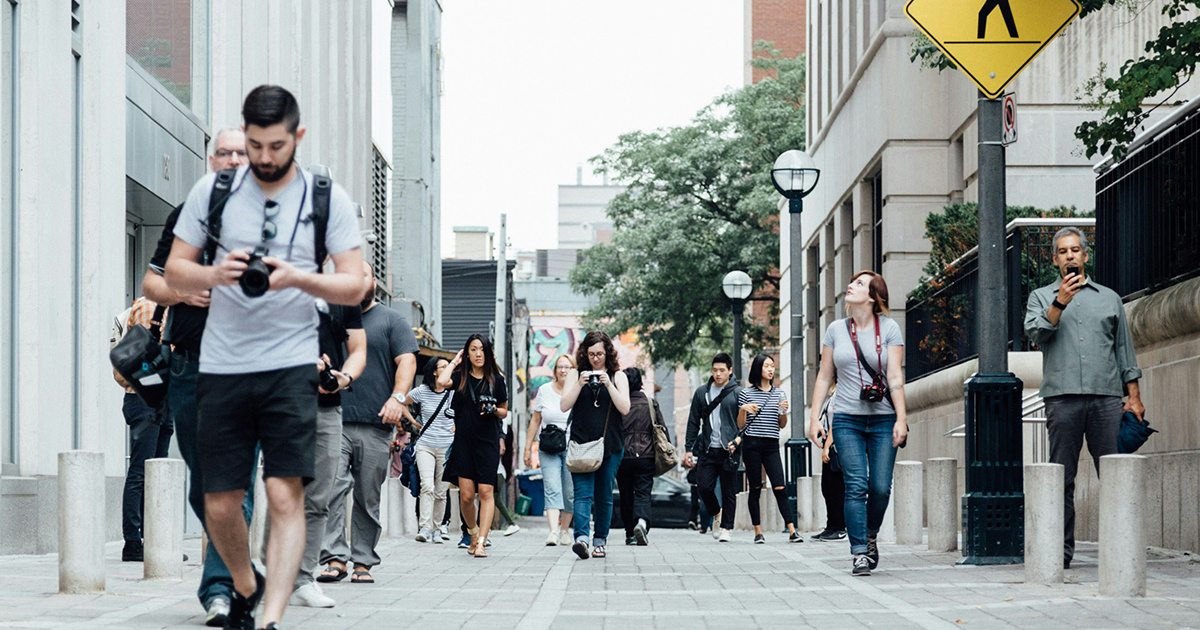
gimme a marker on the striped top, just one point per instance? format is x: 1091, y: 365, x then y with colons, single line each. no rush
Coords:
x: 440, y: 434
x: 766, y: 422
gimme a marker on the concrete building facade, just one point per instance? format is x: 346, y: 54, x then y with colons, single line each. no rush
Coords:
x: 106, y: 115
x: 582, y: 221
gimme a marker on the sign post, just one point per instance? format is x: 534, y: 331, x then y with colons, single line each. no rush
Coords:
x: 992, y: 41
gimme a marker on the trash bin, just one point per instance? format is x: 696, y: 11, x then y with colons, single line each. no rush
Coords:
x: 530, y: 485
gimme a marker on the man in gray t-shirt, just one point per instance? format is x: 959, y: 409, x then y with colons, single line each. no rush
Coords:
x: 258, y: 375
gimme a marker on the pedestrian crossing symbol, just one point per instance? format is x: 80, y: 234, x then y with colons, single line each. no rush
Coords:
x: 992, y: 41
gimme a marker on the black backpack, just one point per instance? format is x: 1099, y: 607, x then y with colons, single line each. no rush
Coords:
x: 222, y: 188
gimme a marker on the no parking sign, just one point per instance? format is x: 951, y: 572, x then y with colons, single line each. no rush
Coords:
x: 1010, y: 120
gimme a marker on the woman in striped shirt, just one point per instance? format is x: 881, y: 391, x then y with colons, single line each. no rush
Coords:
x: 762, y: 412
x: 437, y: 433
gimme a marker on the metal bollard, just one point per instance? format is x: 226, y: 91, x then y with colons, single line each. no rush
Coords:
x: 1122, y: 526
x: 1044, y: 520
x: 163, y: 518
x: 80, y: 522
x: 804, y: 504
x: 941, y: 498
x: 907, y: 498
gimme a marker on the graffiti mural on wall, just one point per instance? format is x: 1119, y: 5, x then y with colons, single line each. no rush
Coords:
x: 545, y: 346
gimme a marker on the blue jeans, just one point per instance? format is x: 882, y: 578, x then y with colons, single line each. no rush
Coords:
x: 215, y: 580
x: 556, y: 482
x: 149, y: 436
x: 864, y: 444
x: 593, y: 498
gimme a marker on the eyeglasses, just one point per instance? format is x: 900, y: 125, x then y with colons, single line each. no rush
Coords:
x: 271, y: 209
x: 564, y: 368
x: 596, y: 355
x: 224, y: 154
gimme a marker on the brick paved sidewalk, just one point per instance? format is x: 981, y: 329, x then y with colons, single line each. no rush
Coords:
x: 683, y: 580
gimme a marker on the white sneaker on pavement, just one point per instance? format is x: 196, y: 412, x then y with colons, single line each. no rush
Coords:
x: 311, y: 596
x: 566, y: 539
x: 725, y: 536
x: 436, y: 537
x: 552, y: 539
x: 217, y: 612
x: 445, y: 531
x: 512, y: 529
x: 423, y: 535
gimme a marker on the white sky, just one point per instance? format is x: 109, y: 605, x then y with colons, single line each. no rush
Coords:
x: 536, y: 87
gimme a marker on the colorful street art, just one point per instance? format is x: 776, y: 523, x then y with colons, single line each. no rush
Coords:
x: 554, y: 336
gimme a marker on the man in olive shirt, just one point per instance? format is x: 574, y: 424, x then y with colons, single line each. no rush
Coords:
x: 1087, y: 360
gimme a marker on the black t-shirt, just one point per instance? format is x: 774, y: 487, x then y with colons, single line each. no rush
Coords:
x: 185, y: 323
x: 332, y: 332
x: 466, y: 405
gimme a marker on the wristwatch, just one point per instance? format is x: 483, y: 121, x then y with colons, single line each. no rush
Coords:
x: 400, y: 397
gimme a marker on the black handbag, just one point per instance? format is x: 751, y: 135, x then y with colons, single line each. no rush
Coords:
x: 552, y: 439
x: 144, y: 361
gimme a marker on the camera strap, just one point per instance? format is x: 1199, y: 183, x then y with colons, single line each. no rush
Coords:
x: 862, y: 361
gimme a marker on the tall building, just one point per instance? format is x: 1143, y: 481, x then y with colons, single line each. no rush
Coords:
x: 582, y: 221
x: 116, y: 104
x: 781, y: 22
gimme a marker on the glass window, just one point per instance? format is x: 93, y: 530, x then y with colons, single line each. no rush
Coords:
x: 169, y: 38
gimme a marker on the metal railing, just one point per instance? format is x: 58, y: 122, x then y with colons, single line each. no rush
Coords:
x: 1148, y: 211
x: 1033, y: 420
x: 941, y: 329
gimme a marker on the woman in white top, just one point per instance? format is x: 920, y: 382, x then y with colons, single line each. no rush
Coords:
x: 437, y: 433
x: 556, y: 479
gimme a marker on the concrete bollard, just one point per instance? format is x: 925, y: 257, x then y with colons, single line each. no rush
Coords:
x: 392, y: 489
x: 80, y: 522
x: 909, y: 504
x: 258, y: 520
x: 804, y: 504
x: 1122, y: 526
x: 455, y: 512
x: 163, y: 518
x: 819, y: 509
x: 941, y: 499
x: 1044, y: 521
x: 407, y: 504
x: 887, y: 529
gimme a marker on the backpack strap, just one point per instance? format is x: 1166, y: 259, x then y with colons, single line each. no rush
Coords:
x: 222, y: 188
x: 322, y: 191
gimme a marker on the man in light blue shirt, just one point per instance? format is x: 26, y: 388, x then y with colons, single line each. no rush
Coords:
x: 1088, y: 364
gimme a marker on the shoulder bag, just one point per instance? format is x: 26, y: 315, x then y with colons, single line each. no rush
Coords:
x: 552, y: 439
x: 586, y: 457
x: 665, y: 457
x: 144, y: 361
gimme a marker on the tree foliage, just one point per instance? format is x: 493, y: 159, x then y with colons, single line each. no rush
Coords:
x: 698, y: 204
x: 1126, y: 100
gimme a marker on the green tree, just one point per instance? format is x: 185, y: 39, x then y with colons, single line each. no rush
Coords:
x: 1126, y: 100
x: 698, y: 203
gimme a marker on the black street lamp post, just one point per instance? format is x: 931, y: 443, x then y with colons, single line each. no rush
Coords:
x: 737, y: 288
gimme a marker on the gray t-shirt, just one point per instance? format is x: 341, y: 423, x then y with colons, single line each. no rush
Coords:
x: 714, y: 418
x: 850, y: 377
x: 279, y: 329
x: 389, y: 335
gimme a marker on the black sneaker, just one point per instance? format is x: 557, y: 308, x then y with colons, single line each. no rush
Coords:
x: 862, y: 565
x: 693, y: 525
x: 703, y: 530
x: 830, y: 535
x: 271, y: 626
x: 132, y: 552
x: 630, y: 541
x: 241, y: 609
x: 581, y: 549
x: 639, y: 533
x: 873, y: 550
x: 795, y: 537
x: 759, y: 539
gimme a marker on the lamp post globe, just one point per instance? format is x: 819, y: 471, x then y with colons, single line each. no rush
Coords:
x: 737, y: 288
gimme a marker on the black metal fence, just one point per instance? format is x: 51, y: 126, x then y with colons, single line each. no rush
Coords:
x: 942, y: 328
x: 1148, y: 214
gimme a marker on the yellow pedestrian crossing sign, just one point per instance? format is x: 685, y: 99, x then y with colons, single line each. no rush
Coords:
x: 992, y: 41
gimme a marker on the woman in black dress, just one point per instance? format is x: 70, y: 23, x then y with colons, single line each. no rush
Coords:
x: 480, y: 403
x: 597, y: 397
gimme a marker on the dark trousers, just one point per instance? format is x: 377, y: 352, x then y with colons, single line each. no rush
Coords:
x: 1068, y: 420
x: 709, y: 471
x: 635, y: 478
x: 149, y: 436
x: 761, y: 454
x: 833, y: 488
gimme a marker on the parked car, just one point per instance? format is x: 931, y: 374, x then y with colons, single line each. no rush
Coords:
x: 670, y: 504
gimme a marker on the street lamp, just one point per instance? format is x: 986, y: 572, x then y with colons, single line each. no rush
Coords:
x: 795, y: 175
x: 737, y: 288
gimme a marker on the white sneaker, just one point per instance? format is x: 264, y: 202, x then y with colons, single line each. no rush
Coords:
x: 512, y: 529
x: 716, y: 532
x: 566, y: 538
x: 423, y: 535
x: 216, y: 612
x: 445, y: 531
x: 552, y: 539
x: 311, y: 596
x: 436, y: 537
x: 725, y: 536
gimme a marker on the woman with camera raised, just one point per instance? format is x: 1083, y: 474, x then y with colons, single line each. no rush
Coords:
x: 480, y: 404
x: 596, y: 398
x: 762, y: 412
x: 546, y: 447
x: 865, y: 350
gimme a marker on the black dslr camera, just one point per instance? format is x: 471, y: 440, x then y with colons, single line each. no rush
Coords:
x: 873, y: 393
x: 487, y: 405
x: 329, y: 382
x: 256, y: 280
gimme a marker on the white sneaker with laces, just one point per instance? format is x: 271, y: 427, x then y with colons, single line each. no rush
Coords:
x: 552, y: 539
x: 512, y: 529
x: 423, y: 535
x: 725, y: 536
x: 566, y: 539
x: 445, y: 531
x: 217, y: 612
x: 311, y: 596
